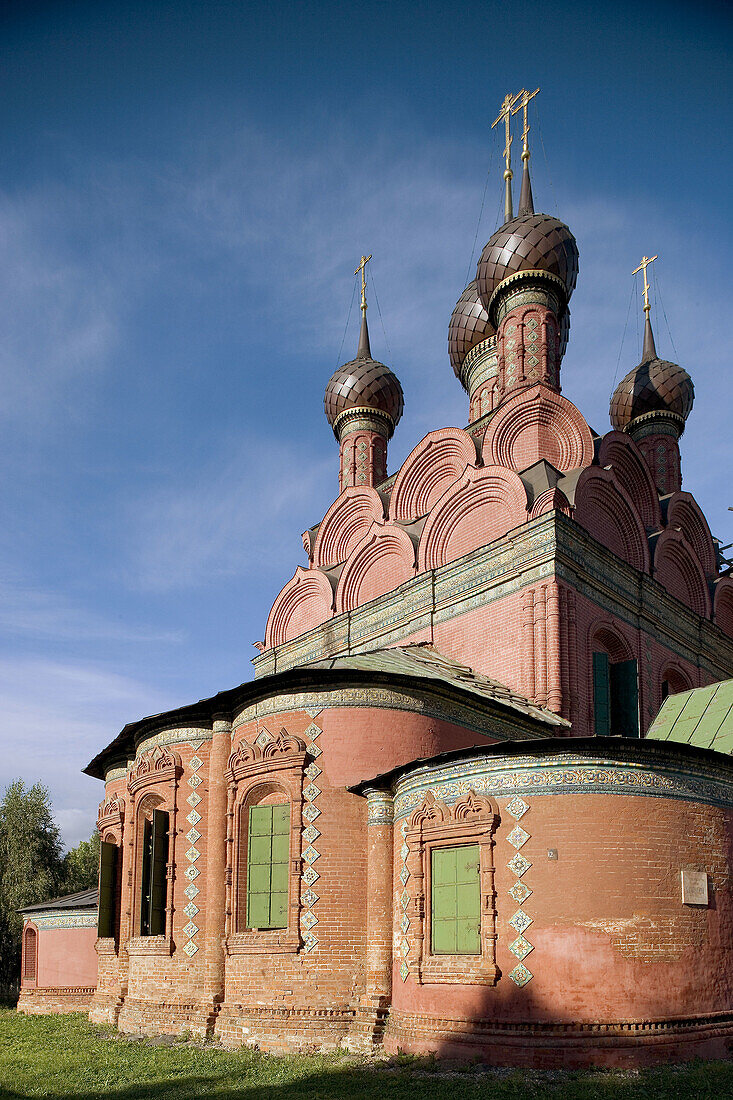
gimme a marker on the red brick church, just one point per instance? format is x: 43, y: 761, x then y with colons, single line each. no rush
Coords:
x: 433, y: 821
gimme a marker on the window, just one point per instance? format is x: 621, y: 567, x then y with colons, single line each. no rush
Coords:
x: 30, y: 954
x: 455, y: 911
x: 615, y: 697
x: 154, y: 874
x: 108, y: 893
x: 268, y: 854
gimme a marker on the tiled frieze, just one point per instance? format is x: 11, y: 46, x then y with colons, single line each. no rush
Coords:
x: 311, y: 834
x: 519, y: 865
x: 403, y: 942
x: 194, y: 819
x: 69, y: 918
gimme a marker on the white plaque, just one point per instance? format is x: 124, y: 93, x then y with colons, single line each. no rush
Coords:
x: 694, y: 888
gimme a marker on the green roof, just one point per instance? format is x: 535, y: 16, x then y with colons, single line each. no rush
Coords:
x: 702, y: 717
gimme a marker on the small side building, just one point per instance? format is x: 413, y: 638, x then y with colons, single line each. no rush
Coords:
x: 59, y: 962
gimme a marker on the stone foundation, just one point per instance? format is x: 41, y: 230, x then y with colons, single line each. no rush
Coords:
x: 43, y: 1002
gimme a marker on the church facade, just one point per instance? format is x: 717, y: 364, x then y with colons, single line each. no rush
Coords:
x: 433, y: 821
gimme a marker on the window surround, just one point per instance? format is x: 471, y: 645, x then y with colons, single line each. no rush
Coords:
x: 256, y: 773
x: 472, y: 820
x: 152, y: 785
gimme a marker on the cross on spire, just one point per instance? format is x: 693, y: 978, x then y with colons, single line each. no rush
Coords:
x: 646, y: 260
x: 524, y: 98
x: 506, y: 113
x: 362, y: 268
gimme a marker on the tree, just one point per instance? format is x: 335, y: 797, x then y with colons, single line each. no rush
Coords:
x: 31, y: 867
x: 81, y: 865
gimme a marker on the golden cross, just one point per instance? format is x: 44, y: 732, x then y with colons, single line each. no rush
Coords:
x: 362, y: 267
x: 643, y: 266
x: 525, y: 98
x: 506, y: 114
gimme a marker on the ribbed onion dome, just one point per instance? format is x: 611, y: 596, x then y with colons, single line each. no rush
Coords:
x: 364, y: 383
x: 469, y: 325
x: 656, y: 385
x: 530, y: 242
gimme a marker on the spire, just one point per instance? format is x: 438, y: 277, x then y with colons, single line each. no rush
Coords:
x: 650, y: 351
x: 526, y: 202
x: 507, y: 108
x: 363, y: 351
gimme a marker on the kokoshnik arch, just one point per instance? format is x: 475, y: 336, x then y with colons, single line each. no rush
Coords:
x: 433, y: 820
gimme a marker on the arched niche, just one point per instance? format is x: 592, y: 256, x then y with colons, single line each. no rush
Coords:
x: 306, y: 601
x: 428, y: 471
x: 345, y: 524
x: 536, y: 424
x: 480, y: 507
x: 684, y: 514
x: 619, y: 451
x: 381, y: 562
x: 723, y: 607
x: 677, y: 567
x: 607, y: 513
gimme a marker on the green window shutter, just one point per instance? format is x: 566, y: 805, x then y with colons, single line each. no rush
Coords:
x: 268, y: 856
x: 456, y: 900
x: 107, y: 918
x: 625, y: 699
x: 601, y: 695
x: 145, y: 884
x: 158, y: 872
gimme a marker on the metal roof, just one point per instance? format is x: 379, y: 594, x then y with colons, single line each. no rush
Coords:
x: 83, y: 899
x: 701, y: 717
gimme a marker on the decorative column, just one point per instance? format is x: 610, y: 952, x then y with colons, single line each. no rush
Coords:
x: 216, y: 862
x: 527, y: 309
x: 379, y: 898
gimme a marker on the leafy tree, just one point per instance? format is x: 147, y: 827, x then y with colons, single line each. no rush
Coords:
x: 31, y: 867
x: 81, y: 865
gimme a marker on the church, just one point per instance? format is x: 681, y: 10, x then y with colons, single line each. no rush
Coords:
x: 437, y: 819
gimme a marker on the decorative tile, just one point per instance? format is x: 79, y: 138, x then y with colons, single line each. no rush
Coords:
x: 311, y: 792
x: 309, y: 898
x: 315, y: 750
x: 520, y: 922
x: 309, y: 942
x: 191, y: 910
x: 404, y: 851
x: 194, y: 817
x: 404, y: 970
x: 518, y: 837
x: 404, y: 875
x: 191, y: 891
x: 195, y: 781
x: 520, y: 975
x: 190, y: 930
x: 193, y: 799
x: 190, y: 948
x: 196, y: 745
x: 311, y: 812
x: 405, y: 899
x: 405, y: 922
x: 263, y: 738
x: 310, y: 834
x: 195, y: 763
x: 312, y: 771
x: 313, y: 731
x: 519, y: 892
x: 193, y: 835
x: 310, y: 855
x: 404, y: 828
x: 520, y: 948
x: 404, y: 948
x: 310, y: 875
x: 518, y: 865
x: 191, y: 873
x: 192, y: 854
x: 309, y: 919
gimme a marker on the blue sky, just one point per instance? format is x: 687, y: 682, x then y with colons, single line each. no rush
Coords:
x: 185, y: 191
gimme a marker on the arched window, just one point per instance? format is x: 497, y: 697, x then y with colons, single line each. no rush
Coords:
x: 674, y: 681
x: 153, y: 849
x: 30, y: 954
x: 615, y: 686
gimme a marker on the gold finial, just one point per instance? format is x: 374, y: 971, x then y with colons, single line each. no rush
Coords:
x: 362, y: 267
x: 506, y: 113
x: 646, y: 260
x: 525, y: 97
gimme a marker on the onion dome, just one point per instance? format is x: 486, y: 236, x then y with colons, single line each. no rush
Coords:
x: 531, y: 242
x: 469, y: 325
x: 655, y: 386
x: 366, y: 385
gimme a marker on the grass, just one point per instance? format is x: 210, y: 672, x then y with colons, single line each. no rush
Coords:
x: 65, y: 1056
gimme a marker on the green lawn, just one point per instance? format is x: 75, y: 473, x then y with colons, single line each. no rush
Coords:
x: 64, y: 1056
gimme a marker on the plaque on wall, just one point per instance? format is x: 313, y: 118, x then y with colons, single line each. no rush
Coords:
x: 694, y: 888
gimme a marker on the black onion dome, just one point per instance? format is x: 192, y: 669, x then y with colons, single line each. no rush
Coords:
x: 469, y: 325
x: 363, y: 383
x: 656, y: 385
x: 532, y: 242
